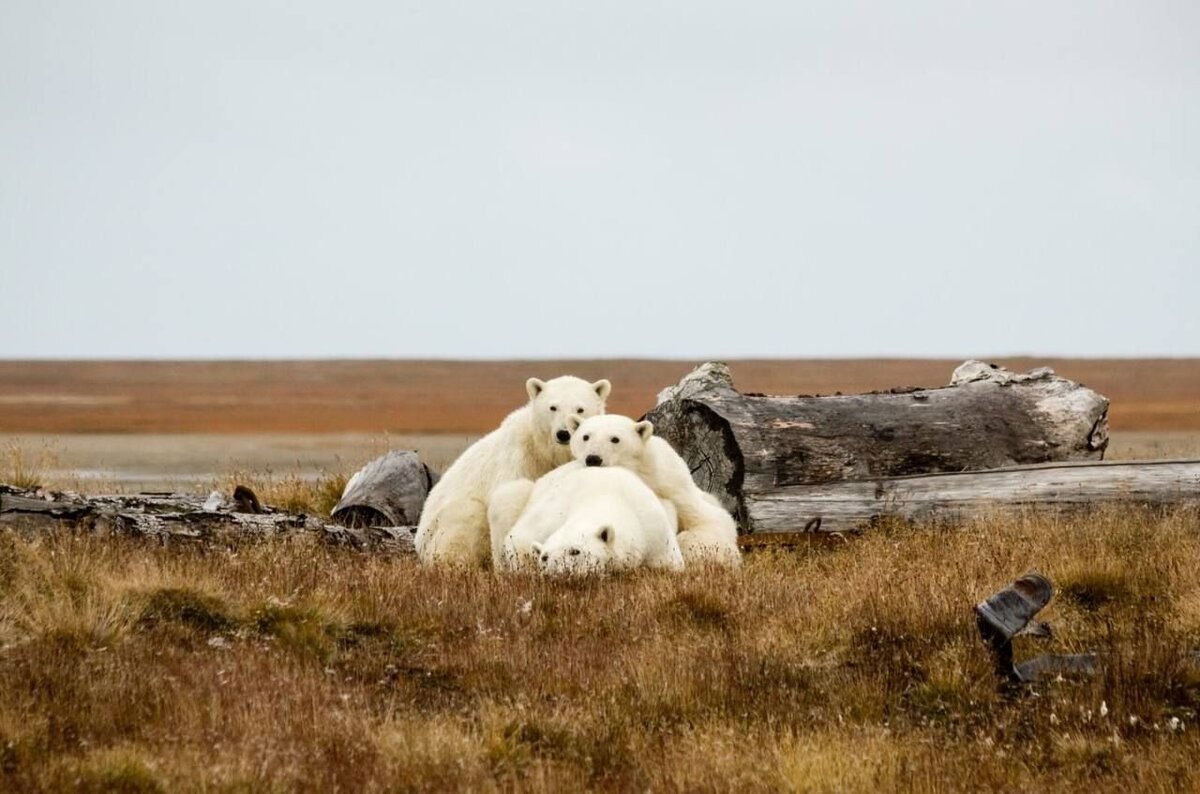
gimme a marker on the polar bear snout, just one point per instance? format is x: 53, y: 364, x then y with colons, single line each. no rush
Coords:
x: 594, y: 460
x: 563, y: 437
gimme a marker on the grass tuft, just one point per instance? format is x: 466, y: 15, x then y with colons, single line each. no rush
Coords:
x: 187, y: 607
x: 701, y: 609
x: 25, y: 468
x: 301, y: 630
x: 1095, y: 590
x: 115, y: 772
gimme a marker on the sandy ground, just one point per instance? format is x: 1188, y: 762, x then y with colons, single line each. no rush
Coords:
x: 129, y: 463
x: 164, y: 461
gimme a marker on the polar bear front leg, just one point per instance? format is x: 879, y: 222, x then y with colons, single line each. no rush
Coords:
x: 518, y: 553
x: 458, y: 535
x: 504, y: 508
x: 702, y: 546
x: 711, y: 537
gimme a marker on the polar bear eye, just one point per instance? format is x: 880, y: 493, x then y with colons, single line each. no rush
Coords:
x: 578, y: 410
x: 553, y: 407
x: 616, y: 440
x: 585, y: 438
x: 574, y: 552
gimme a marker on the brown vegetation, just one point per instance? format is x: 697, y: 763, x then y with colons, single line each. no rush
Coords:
x: 470, y: 397
x: 22, y: 467
x: 830, y: 667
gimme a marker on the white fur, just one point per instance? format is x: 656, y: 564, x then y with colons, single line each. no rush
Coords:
x: 516, y: 525
x: 507, y: 504
x: 706, y: 530
x: 454, y: 525
x: 573, y: 506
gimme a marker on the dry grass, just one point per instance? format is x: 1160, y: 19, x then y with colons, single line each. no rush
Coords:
x: 23, y: 467
x: 830, y: 667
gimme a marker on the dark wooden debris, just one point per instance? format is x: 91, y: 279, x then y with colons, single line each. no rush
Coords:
x: 1009, y: 613
x: 245, y: 500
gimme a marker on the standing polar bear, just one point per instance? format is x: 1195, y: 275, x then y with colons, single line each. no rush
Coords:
x: 578, y: 520
x: 530, y: 442
x: 706, y: 530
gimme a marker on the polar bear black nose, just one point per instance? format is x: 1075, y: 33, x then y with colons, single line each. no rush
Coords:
x: 593, y: 460
x: 546, y: 557
x: 563, y: 437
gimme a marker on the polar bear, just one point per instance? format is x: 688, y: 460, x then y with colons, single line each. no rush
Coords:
x: 509, y: 501
x: 609, y: 516
x: 706, y: 530
x: 530, y: 442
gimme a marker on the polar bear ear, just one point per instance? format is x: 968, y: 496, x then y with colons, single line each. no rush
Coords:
x: 573, y: 422
x: 534, y: 387
x: 644, y: 430
x: 602, y: 388
x: 605, y: 534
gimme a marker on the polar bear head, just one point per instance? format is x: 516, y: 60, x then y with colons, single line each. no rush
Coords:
x: 610, y: 440
x: 577, y: 549
x: 555, y: 402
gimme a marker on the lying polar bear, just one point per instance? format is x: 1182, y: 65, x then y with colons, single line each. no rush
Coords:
x: 579, y: 519
x: 707, y: 532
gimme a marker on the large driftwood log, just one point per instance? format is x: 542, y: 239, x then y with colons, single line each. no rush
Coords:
x: 183, y: 518
x: 849, y: 506
x: 744, y: 448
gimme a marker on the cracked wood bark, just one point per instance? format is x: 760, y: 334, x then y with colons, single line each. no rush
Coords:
x: 850, y: 506
x: 183, y: 518
x: 743, y: 448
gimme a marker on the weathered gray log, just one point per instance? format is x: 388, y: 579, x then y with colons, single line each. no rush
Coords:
x: 183, y: 518
x: 388, y: 491
x: 849, y: 506
x: 743, y: 448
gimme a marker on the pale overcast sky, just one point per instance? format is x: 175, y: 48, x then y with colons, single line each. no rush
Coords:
x: 534, y: 179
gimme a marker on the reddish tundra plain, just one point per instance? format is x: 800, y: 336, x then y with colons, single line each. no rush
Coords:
x: 472, y: 397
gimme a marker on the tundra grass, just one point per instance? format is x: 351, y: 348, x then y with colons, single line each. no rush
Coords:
x: 844, y: 666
